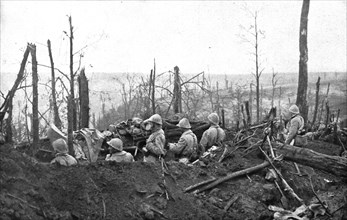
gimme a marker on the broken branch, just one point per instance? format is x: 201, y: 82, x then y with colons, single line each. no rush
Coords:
x: 234, y: 175
x: 199, y: 184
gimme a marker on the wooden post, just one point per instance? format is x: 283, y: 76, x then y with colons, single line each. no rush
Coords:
x: 317, y: 101
x: 35, y: 81
x: 57, y: 121
x: 84, y: 100
x: 301, y: 98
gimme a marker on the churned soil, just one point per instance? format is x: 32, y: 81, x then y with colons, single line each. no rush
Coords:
x: 31, y: 189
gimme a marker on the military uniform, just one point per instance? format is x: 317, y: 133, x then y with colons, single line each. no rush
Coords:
x: 212, y: 136
x: 185, y: 146
x: 64, y: 159
x: 155, y: 146
x: 122, y: 156
x: 294, y: 127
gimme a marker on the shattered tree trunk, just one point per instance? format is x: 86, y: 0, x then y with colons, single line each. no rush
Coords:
x: 4, y: 107
x: 257, y: 74
x: 331, y: 164
x: 317, y: 102
x: 177, y: 103
x: 71, y: 107
x: 247, y: 113
x: 301, y: 98
x: 35, y: 81
x: 322, y: 104
x: 9, y: 132
x: 250, y: 102
x: 148, y: 100
x: 84, y: 100
x: 57, y: 121
x: 327, y: 114
x: 153, y: 90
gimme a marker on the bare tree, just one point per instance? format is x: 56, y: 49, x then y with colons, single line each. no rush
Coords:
x: 71, y: 97
x: 252, y: 36
x: 57, y: 121
x: 301, y: 99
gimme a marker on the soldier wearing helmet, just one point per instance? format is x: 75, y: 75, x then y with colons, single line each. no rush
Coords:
x: 155, y: 143
x: 214, y: 135
x: 295, y: 126
x: 116, y: 152
x: 62, y: 157
x: 186, y: 147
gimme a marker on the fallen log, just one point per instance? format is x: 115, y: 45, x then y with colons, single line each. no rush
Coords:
x: 233, y: 175
x: 331, y: 164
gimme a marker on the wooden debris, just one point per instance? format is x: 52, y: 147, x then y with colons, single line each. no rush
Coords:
x: 231, y: 202
x: 158, y: 212
x: 317, y: 197
x: 284, y: 182
x: 225, y: 152
x: 24, y: 201
x: 233, y: 175
x: 199, y: 184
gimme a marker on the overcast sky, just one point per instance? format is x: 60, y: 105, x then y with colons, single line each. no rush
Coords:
x: 195, y: 35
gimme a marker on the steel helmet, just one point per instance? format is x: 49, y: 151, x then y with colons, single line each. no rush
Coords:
x: 116, y: 143
x: 213, y: 118
x: 294, y: 109
x: 155, y: 119
x: 60, y: 146
x: 136, y: 121
x: 184, y: 123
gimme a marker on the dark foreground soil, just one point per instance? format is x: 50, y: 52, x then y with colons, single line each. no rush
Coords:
x: 106, y: 190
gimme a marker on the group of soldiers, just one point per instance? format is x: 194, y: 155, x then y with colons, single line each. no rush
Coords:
x: 187, y: 148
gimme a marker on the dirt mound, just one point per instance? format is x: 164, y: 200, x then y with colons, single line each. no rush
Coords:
x: 107, y: 190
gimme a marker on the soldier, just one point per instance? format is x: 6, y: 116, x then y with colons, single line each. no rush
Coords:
x: 62, y: 157
x: 212, y: 136
x: 186, y: 148
x: 295, y: 126
x: 116, y: 152
x: 155, y: 143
